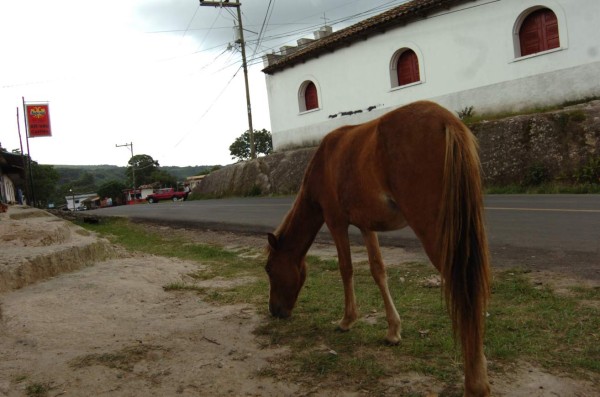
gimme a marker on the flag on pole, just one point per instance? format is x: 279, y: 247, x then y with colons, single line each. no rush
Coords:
x: 38, y: 120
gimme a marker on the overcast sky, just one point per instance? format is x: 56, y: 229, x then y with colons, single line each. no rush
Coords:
x: 157, y: 73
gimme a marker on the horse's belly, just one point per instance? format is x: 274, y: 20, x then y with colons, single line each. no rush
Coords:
x: 380, y: 215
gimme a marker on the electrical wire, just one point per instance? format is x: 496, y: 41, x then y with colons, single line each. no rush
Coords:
x: 263, y: 26
x: 189, y: 23
x: 212, y: 104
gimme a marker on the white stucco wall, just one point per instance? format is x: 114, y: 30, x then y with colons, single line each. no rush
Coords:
x: 468, y: 56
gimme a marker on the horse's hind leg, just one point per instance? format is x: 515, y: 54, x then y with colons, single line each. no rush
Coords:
x: 379, y: 275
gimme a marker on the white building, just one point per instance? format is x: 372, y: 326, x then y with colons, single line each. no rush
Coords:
x: 78, y: 201
x: 494, y: 55
x: 12, y: 174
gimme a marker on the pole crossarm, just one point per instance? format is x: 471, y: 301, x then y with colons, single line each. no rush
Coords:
x: 219, y: 3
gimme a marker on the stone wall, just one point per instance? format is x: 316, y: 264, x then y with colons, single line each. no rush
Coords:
x: 278, y: 173
x: 556, y: 143
x: 551, y: 145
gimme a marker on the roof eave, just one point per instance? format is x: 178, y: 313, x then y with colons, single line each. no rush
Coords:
x: 363, y: 34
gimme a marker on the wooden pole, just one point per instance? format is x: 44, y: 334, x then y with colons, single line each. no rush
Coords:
x: 244, y: 64
x: 32, y: 191
x: 22, y: 154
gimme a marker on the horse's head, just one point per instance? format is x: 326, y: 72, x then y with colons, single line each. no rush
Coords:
x: 286, y: 277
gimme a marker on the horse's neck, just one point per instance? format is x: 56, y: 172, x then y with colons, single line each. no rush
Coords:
x: 301, y: 225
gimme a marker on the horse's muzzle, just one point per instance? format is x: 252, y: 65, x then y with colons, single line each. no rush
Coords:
x: 278, y: 311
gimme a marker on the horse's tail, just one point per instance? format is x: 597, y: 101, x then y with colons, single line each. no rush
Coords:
x: 464, y: 261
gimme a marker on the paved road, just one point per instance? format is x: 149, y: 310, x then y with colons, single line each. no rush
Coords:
x: 560, y: 232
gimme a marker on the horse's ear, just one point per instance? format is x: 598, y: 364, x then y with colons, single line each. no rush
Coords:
x: 273, y: 241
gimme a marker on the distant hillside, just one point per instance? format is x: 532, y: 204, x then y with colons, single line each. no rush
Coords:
x: 105, y: 173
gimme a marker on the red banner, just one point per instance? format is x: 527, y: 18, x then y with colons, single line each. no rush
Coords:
x: 38, y: 120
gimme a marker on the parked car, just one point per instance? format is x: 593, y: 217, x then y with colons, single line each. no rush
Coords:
x: 166, y: 194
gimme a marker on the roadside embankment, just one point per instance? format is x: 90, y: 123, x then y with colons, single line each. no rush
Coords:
x: 534, y: 148
x: 35, y: 245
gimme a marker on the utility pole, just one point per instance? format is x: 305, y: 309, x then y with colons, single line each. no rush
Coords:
x: 242, y: 43
x: 130, y: 146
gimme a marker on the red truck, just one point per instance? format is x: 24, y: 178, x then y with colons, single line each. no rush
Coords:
x: 166, y: 194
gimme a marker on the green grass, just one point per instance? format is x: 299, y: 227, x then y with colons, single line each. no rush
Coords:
x: 473, y: 117
x: 526, y: 322
x: 534, y: 323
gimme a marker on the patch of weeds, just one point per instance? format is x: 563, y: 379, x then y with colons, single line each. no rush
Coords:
x: 37, y: 390
x: 589, y: 173
x: 179, y: 286
x: 577, y: 116
x: 505, y: 189
x: 124, y: 359
x: 466, y: 113
x: 20, y: 378
x: 255, y: 191
x: 545, y: 188
x: 536, y: 175
x: 586, y: 293
x: 204, y: 274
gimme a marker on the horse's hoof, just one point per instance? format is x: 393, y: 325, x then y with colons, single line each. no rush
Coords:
x: 340, y: 329
x: 391, y: 342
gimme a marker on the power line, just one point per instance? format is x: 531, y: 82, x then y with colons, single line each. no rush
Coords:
x: 213, y: 102
x: 262, y: 28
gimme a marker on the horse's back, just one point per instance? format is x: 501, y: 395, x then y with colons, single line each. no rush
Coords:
x: 374, y: 173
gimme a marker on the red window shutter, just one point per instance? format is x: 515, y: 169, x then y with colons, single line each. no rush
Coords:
x: 551, y: 30
x: 539, y: 32
x: 310, y: 97
x: 408, y: 68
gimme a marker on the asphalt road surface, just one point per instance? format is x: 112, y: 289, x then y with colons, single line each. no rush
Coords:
x: 538, y: 232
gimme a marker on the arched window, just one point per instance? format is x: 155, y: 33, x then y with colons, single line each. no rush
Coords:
x: 311, y: 98
x: 404, y: 68
x: 539, y: 32
x: 408, y: 68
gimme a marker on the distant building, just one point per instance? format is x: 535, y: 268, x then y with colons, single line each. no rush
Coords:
x: 493, y: 55
x: 194, y: 181
x: 139, y: 196
x: 12, y: 177
x: 78, y: 202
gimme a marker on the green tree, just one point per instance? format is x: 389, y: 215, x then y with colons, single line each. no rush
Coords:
x: 240, y: 148
x: 86, y: 183
x: 45, y: 179
x: 163, y: 178
x: 144, y: 166
x: 112, y: 189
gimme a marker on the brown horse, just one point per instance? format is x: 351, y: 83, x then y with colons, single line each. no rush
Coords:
x: 418, y: 166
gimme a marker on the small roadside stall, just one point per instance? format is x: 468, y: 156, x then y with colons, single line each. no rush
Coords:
x: 139, y: 195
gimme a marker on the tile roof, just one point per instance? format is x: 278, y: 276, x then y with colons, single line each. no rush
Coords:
x: 403, y: 14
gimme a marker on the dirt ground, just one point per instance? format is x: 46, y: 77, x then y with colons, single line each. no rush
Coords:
x: 110, y: 329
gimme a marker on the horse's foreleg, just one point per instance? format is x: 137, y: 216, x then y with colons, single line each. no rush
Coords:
x: 380, y: 276
x: 342, y: 243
